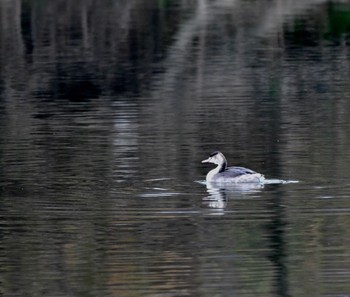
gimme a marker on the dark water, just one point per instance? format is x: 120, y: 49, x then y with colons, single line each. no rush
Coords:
x: 107, y: 109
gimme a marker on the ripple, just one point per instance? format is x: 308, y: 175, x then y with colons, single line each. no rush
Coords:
x: 157, y: 195
x: 279, y: 181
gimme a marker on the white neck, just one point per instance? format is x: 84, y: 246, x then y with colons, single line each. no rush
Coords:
x: 212, y: 172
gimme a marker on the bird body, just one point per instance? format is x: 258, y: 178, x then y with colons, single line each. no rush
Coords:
x: 224, y: 174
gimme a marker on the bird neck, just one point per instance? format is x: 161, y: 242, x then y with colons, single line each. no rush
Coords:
x: 222, y: 167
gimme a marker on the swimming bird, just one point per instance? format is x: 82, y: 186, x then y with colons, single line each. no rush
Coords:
x: 224, y: 174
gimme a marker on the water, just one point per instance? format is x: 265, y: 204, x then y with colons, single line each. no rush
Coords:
x: 107, y: 109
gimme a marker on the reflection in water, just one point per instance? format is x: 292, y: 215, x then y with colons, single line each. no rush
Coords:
x: 217, y: 199
x: 105, y: 108
x: 219, y: 194
x: 125, y: 140
x: 278, y: 253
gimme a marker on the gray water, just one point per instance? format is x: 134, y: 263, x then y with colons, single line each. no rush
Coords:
x: 107, y: 109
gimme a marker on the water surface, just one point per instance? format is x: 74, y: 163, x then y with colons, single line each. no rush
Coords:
x: 107, y: 109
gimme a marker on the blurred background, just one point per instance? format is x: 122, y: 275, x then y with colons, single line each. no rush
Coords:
x: 106, y: 110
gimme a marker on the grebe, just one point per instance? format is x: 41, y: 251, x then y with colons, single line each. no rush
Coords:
x: 224, y: 174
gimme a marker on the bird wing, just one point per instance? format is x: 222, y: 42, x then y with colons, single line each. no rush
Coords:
x: 237, y: 171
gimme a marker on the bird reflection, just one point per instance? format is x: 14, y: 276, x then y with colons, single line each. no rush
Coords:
x: 216, y: 199
x: 219, y: 194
